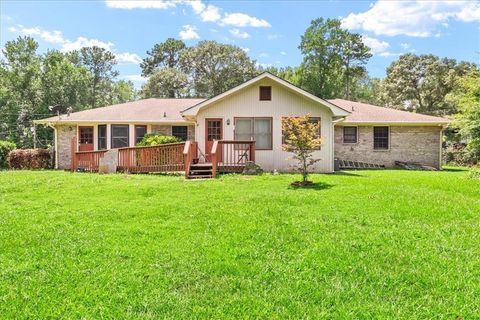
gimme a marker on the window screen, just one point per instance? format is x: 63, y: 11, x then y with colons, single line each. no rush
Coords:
x: 258, y: 129
x: 180, y: 132
x: 120, y: 136
x: 102, y: 137
x: 349, y: 134
x: 380, y: 138
x: 140, y: 132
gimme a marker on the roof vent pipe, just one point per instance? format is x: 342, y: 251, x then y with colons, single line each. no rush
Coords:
x: 164, y: 114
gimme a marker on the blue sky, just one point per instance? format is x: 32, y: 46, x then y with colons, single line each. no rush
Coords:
x: 269, y: 31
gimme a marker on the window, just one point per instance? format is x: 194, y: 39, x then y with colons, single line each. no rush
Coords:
x: 120, y: 135
x: 140, y: 132
x: 380, y: 138
x: 102, y: 136
x: 265, y: 93
x: 258, y: 129
x: 86, y: 135
x: 349, y: 134
x: 180, y: 132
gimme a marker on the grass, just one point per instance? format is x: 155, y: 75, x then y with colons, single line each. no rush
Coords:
x: 359, y: 244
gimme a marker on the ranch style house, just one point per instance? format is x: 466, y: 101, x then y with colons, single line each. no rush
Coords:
x: 243, y: 124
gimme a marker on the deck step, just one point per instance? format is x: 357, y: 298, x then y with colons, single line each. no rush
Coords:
x: 200, y: 176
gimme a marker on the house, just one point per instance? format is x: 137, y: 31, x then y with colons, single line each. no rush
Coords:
x: 253, y: 111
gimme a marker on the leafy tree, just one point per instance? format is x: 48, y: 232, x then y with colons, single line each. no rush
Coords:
x: 166, y: 83
x: 100, y: 63
x: 354, y: 54
x: 467, y: 99
x: 123, y: 91
x: 333, y: 59
x: 63, y: 83
x: 421, y: 82
x: 21, y: 89
x: 369, y: 90
x: 216, y: 67
x: 290, y: 74
x: 164, y: 55
x: 301, y: 138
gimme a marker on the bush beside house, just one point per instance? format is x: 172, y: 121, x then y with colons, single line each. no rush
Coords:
x: 30, y: 159
x: 5, y: 148
x: 151, y: 139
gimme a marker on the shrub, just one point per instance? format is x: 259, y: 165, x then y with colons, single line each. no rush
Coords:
x: 461, y: 154
x: 152, y: 139
x: 301, y: 139
x: 30, y: 159
x: 5, y: 148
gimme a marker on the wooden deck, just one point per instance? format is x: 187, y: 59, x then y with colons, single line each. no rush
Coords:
x: 227, y: 156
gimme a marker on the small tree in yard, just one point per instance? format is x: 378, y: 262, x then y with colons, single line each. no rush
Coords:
x: 301, y: 138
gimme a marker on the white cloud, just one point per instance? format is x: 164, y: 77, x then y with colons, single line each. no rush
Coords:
x: 405, y: 46
x: 411, y: 18
x: 139, y: 4
x: 210, y: 14
x: 207, y: 13
x: 283, y: 53
x: 263, y: 55
x: 389, y: 54
x: 243, y: 20
x: 56, y: 37
x: 127, y: 57
x: 375, y: 45
x: 188, y: 32
x: 239, y: 34
x: 245, y: 49
x: 82, y: 42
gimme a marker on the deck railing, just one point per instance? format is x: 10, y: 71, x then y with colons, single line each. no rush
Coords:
x: 87, y: 160
x: 231, y: 155
x: 161, y: 158
x: 189, y: 155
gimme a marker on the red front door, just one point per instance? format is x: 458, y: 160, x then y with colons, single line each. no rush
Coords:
x: 85, y: 138
x: 213, y: 131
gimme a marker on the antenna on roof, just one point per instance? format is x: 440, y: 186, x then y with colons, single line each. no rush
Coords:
x: 353, y: 108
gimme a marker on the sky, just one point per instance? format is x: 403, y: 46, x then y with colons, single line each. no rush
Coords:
x: 269, y: 31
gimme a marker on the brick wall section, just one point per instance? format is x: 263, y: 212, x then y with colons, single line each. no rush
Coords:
x: 64, y: 139
x: 407, y: 143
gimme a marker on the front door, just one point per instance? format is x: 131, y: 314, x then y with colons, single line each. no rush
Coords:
x: 213, y: 131
x: 85, y: 138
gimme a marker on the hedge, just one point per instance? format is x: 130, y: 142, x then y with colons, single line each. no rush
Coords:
x: 30, y: 159
x: 5, y: 148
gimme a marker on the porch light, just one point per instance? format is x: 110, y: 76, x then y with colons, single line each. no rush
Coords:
x: 228, y: 122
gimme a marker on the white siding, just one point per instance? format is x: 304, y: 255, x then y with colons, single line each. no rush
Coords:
x: 285, y: 102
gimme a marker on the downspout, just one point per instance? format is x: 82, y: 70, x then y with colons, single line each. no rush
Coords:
x: 334, y: 122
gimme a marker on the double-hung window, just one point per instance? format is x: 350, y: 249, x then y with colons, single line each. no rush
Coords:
x: 380, y: 138
x: 102, y: 136
x: 120, y: 137
x: 258, y: 129
x: 349, y: 134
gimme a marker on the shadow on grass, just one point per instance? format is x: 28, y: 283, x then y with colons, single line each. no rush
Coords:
x: 314, y: 186
x: 457, y: 169
x: 347, y: 173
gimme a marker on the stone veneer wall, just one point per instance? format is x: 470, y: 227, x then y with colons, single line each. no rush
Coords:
x: 407, y: 143
x: 64, y: 140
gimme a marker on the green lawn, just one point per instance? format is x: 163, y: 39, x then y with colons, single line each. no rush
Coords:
x: 362, y: 244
